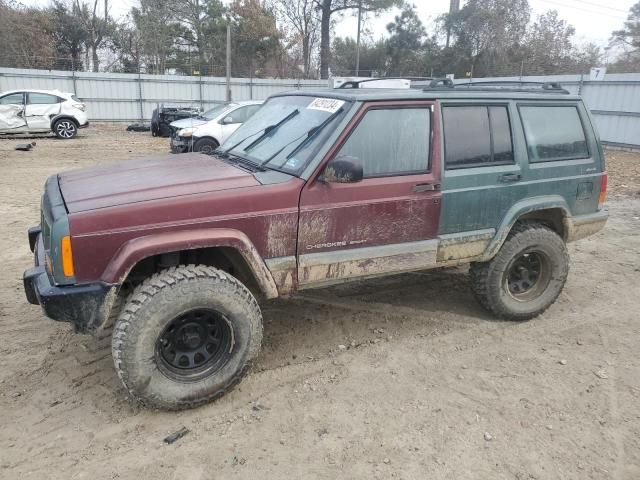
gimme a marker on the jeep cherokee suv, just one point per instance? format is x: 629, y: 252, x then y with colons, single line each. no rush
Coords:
x: 317, y: 188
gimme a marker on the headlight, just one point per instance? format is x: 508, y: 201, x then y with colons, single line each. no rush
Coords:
x: 79, y: 106
x: 186, y: 132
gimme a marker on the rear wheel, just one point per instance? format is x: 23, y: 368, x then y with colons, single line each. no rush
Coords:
x: 65, y: 128
x: 526, y: 276
x: 205, y: 145
x: 186, y: 336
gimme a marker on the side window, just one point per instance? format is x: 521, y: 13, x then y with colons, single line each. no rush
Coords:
x: 477, y: 136
x: 239, y: 115
x: 553, y: 133
x: 42, y: 99
x: 13, y: 99
x: 393, y: 141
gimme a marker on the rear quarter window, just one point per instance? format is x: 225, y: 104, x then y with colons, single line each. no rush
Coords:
x: 42, y: 99
x: 553, y: 133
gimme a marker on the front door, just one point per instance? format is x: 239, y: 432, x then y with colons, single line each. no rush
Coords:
x: 40, y: 109
x: 232, y: 120
x: 12, y: 113
x: 386, y: 223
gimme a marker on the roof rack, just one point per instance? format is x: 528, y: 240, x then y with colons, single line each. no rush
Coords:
x: 493, y: 85
x: 356, y: 83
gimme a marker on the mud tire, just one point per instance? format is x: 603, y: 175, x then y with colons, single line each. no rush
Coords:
x: 155, y: 304
x: 489, y: 280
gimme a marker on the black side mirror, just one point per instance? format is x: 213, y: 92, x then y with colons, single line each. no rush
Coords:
x: 343, y: 169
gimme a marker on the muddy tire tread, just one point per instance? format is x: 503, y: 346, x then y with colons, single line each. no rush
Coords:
x: 147, y: 290
x: 520, y: 235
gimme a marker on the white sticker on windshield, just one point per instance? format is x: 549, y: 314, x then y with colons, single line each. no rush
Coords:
x: 330, y: 105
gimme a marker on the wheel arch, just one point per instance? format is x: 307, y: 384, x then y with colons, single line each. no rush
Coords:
x: 63, y: 116
x: 208, y: 137
x: 227, y: 249
x: 551, y: 211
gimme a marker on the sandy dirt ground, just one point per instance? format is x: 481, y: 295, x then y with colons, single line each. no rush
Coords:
x: 402, y: 378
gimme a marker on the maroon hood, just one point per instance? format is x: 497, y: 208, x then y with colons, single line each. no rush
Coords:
x: 149, y: 178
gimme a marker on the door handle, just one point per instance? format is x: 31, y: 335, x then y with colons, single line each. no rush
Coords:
x: 510, y: 177
x: 426, y: 187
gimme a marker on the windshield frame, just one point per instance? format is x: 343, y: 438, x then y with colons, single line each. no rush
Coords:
x: 323, y: 141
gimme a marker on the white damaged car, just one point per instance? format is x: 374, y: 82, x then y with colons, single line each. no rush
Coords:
x: 204, y: 133
x: 42, y: 111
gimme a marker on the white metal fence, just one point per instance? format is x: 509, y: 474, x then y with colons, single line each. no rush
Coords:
x: 614, y: 101
x: 113, y: 97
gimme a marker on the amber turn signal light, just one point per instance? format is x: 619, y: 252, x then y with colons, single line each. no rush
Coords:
x: 67, y: 256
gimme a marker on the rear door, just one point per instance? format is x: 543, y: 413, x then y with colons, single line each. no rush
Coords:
x: 387, y: 222
x: 483, y: 164
x: 12, y: 117
x: 40, y: 109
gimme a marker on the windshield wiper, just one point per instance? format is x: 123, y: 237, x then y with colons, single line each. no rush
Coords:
x: 265, y: 130
x: 310, y: 135
x: 271, y: 129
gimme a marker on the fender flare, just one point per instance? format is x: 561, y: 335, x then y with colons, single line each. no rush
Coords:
x: 137, y: 249
x: 521, y: 208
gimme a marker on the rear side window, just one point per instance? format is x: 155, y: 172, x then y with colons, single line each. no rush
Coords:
x: 393, y: 141
x: 13, y: 99
x: 477, y: 136
x: 42, y: 99
x: 553, y: 133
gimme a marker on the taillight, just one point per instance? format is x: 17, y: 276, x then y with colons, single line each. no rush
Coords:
x: 603, y: 190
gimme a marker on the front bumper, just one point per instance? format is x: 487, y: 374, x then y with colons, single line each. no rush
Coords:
x: 84, y: 125
x: 180, y: 144
x: 85, y: 306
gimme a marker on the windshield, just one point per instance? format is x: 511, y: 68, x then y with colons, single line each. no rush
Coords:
x: 286, y: 132
x: 214, y: 112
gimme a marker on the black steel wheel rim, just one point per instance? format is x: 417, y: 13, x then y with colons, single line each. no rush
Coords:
x: 194, y: 344
x: 528, y: 275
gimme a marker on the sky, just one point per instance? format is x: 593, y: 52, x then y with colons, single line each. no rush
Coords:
x: 594, y: 20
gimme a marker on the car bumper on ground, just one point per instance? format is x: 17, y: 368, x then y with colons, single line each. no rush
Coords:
x: 84, y: 125
x: 85, y: 306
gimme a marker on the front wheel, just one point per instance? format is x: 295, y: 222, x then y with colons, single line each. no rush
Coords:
x: 205, y: 145
x: 186, y: 336
x: 65, y: 129
x: 526, y: 276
